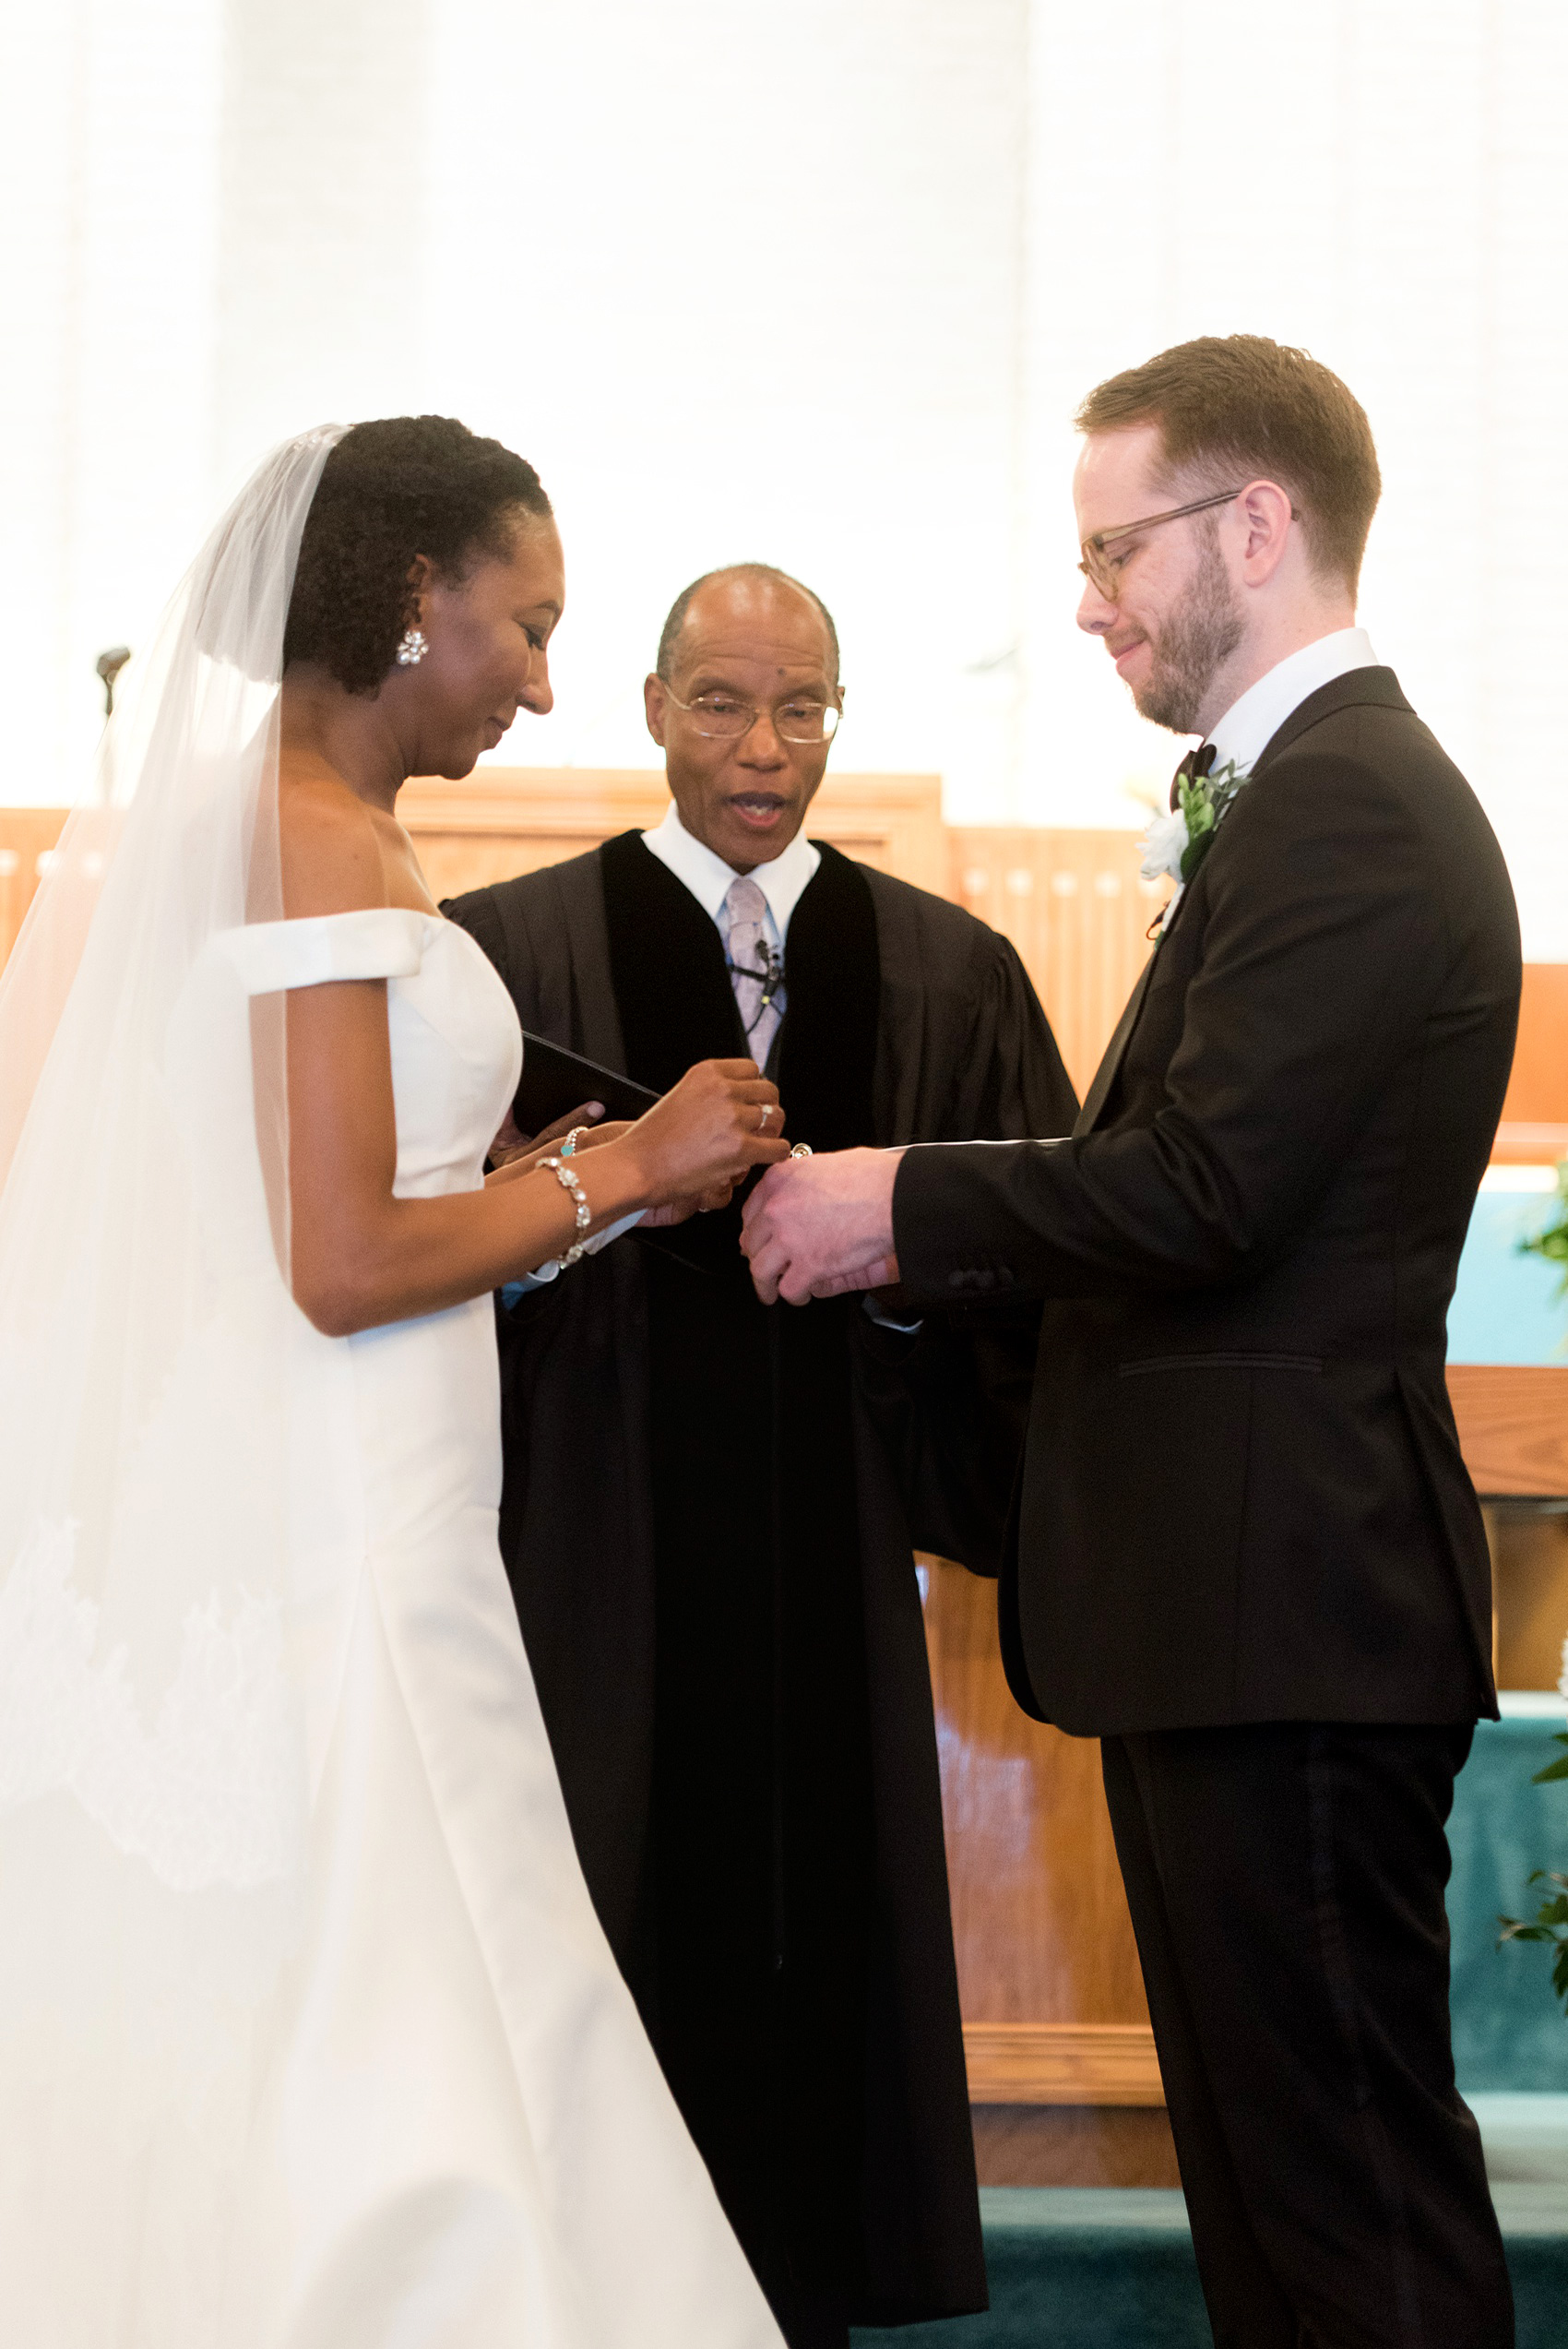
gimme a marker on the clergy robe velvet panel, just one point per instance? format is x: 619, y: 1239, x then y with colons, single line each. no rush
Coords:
x: 708, y: 1515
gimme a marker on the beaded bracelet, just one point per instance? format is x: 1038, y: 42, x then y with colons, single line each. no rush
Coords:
x: 567, y: 1178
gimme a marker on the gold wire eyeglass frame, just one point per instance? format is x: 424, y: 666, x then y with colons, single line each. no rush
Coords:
x: 1097, y: 571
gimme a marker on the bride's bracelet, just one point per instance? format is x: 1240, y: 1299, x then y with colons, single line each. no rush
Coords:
x: 567, y: 1178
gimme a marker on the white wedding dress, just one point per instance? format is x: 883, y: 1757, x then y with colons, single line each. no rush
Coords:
x: 309, y: 2036
x: 463, y: 2139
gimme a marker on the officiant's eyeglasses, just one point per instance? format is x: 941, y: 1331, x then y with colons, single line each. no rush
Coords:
x: 726, y: 717
x: 1104, y: 571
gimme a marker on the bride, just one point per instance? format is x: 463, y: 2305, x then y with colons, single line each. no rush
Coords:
x: 309, y: 2036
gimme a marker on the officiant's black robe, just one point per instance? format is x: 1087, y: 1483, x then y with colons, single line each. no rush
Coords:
x: 708, y: 1514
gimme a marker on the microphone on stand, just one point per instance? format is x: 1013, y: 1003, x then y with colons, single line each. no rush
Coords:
x: 109, y: 665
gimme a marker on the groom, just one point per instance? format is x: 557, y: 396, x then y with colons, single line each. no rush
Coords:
x: 1247, y: 1554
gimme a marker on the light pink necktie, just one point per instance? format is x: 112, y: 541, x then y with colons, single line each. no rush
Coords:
x: 748, y: 967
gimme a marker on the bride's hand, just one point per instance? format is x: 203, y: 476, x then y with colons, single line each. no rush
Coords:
x: 706, y: 1133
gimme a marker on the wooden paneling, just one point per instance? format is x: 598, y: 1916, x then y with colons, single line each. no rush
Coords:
x: 1062, y: 2063
x: 1073, y: 2145
x: 1512, y: 1426
x: 1072, y: 901
x: 1048, y: 1971
x: 503, y: 820
x: 1078, y: 913
x: 27, y: 840
x: 1517, y: 1143
x: 1538, y: 1089
x: 1529, y: 1582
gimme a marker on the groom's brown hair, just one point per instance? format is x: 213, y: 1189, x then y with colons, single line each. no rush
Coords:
x: 1239, y: 407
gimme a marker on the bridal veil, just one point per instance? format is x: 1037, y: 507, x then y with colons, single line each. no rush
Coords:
x: 161, y: 1591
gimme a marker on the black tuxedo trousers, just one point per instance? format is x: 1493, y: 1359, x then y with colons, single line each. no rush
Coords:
x: 1246, y: 1552
x: 1286, y: 1886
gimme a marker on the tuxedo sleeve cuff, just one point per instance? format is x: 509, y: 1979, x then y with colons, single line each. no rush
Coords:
x: 942, y: 1198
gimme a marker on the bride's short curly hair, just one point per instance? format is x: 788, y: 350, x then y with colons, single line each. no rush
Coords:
x: 391, y: 490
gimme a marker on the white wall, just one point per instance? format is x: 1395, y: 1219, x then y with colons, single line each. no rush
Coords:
x: 108, y: 174
x: 1387, y: 181
x: 820, y: 285
x: 742, y: 292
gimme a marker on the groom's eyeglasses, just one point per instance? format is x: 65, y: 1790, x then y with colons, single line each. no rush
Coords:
x: 1102, y: 570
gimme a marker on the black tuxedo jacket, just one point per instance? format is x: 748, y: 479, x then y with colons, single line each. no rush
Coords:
x: 1242, y: 1497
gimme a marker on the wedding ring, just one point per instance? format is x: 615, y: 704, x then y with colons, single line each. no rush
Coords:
x: 766, y: 1113
x: 800, y: 1150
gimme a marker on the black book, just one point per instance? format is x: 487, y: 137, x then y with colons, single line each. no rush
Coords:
x: 555, y: 1081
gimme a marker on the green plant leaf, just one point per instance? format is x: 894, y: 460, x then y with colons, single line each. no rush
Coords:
x: 1552, y: 1241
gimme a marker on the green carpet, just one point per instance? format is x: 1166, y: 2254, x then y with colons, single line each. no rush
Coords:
x: 1102, y: 2268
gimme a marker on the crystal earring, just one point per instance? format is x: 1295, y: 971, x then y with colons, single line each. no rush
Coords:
x: 412, y: 649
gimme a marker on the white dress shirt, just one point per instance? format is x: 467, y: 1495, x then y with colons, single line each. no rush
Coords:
x: 782, y: 882
x: 1251, y: 723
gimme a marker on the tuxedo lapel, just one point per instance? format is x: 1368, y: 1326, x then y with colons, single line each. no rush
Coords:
x: 1375, y: 688
x: 1116, y: 1051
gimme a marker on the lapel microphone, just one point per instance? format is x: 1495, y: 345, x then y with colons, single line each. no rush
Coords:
x: 771, y: 975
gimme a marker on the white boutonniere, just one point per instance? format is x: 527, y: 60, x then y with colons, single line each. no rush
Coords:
x: 1176, y: 845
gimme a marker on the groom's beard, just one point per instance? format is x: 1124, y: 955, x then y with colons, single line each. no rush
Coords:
x: 1199, y: 633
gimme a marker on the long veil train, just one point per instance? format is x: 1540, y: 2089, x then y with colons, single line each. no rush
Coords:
x: 159, y: 1597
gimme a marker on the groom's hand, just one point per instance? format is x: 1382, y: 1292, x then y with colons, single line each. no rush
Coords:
x: 818, y: 1227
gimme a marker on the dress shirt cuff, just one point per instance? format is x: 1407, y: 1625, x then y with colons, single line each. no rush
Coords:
x: 875, y: 1310
x: 513, y: 1290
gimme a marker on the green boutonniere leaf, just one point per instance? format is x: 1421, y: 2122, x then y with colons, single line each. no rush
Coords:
x: 1203, y: 802
x: 1195, y: 851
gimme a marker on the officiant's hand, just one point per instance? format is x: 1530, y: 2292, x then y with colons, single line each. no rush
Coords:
x: 514, y: 1153
x: 820, y: 1226
x: 511, y: 1144
x: 704, y: 1136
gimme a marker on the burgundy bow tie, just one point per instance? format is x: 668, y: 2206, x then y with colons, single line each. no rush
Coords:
x: 1197, y: 762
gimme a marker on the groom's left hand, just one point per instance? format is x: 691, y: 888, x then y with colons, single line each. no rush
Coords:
x: 814, y: 1227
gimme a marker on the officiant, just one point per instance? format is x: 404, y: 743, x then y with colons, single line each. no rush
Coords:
x: 709, y: 1506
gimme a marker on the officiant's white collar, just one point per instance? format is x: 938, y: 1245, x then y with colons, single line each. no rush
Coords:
x: 707, y: 877
x: 1251, y: 723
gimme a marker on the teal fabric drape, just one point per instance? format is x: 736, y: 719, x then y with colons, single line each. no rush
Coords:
x: 1509, y: 2031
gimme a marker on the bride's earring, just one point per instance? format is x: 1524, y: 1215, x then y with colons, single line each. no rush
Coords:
x: 412, y: 649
